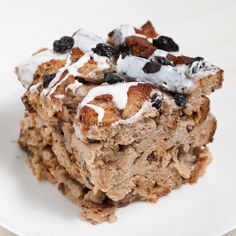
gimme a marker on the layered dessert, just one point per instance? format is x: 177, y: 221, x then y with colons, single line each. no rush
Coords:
x: 113, y: 121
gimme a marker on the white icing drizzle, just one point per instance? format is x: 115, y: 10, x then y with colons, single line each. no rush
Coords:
x: 146, y: 108
x: 52, y: 83
x: 201, y: 68
x: 74, y: 86
x: 99, y: 110
x: 102, y: 63
x: 118, y: 91
x: 85, y: 40
x: 168, y: 77
x: 162, y: 53
x: 59, y: 96
x: 121, y: 33
x: 159, y: 53
x: 53, y: 89
x: 34, y: 87
x: 180, y: 78
x: 27, y: 68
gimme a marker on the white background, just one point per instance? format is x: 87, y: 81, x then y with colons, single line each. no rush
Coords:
x: 201, y: 28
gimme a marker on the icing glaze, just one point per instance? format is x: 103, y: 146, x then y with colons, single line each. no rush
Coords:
x: 74, y: 86
x: 85, y: 40
x: 121, y: 33
x: 201, y: 68
x: 34, y: 87
x: 179, y: 78
x: 168, y: 77
x: 53, y: 82
x: 27, y: 68
x: 59, y: 96
x: 118, y: 91
x: 146, y: 108
x: 99, y: 110
x: 102, y: 63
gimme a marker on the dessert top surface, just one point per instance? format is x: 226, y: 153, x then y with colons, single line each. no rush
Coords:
x: 128, y: 58
x: 140, y: 54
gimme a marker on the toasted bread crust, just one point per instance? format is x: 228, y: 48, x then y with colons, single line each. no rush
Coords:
x: 148, y: 30
x: 140, y: 47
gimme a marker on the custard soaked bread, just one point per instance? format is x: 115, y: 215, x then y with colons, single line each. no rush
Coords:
x: 111, y: 122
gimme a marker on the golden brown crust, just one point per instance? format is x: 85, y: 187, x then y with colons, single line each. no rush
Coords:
x: 98, y: 212
x: 76, y: 54
x: 139, y: 46
x: 210, y: 83
x: 49, y: 67
x: 148, y: 30
x: 203, y: 160
x: 136, y: 97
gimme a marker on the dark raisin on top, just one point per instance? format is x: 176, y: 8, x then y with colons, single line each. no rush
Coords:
x: 151, y: 67
x: 103, y: 49
x: 163, y: 60
x: 112, y: 78
x: 180, y: 99
x: 165, y: 43
x: 63, y: 45
x: 123, y: 49
x: 156, y: 101
x: 47, y: 79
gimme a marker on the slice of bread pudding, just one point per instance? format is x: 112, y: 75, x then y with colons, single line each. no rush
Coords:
x: 111, y: 122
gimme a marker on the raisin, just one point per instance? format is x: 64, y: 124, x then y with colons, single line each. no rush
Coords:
x: 156, y: 101
x: 151, y: 67
x: 63, y: 45
x: 61, y: 187
x: 103, y: 49
x: 47, y: 79
x: 151, y: 157
x: 165, y: 43
x: 123, y: 49
x: 163, y: 60
x: 112, y: 78
x: 180, y: 99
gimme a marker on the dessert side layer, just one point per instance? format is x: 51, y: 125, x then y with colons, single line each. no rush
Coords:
x: 110, y: 122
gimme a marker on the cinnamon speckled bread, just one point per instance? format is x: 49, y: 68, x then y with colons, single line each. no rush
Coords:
x: 116, y: 121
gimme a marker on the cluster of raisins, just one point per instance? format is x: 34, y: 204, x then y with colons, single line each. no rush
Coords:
x: 123, y: 50
x: 112, y: 78
x: 63, y: 45
x: 103, y: 49
x: 166, y: 43
x: 180, y: 99
x: 47, y: 79
x: 151, y: 67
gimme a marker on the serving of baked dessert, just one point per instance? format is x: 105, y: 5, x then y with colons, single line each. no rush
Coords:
x: 115, y: 121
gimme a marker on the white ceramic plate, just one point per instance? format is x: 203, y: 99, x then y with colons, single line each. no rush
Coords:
x: 207, y: 208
